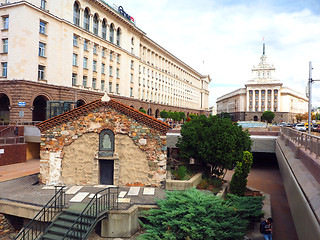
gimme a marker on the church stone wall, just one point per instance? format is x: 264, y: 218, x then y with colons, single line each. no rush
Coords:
x: 69, y: 152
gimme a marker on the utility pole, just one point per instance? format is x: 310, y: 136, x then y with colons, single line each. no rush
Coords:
x: 310, y: 81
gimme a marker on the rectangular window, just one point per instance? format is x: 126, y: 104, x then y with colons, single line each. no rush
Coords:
x: 131, y: 92
x: 75, y: 60
x: 42, y: 27
x: 74, y: 79
x: 85, y: 63
x: 102, y: 85
x: 5, y: 22
x: 103, y: 52
x: 85, y: 45
x: 95, y: 49
x: 117, y: 88
x: 75, y: 40
x: 4, y: 69
x: 94, y: 81
x: 132, y: 50
x: 43, y: 4
x: 110, y: 86
x: 41, y: 72
x: 42, y: 48
x: 131, y: 77
x: 102, y: 68
x: 5, y: 45
x: 131, y: 65
x: 118, y: 58
x: 84, y: 81
x: 94, y: 65
x: 111, y: 53
x: 117, y: 73
x: 110, y: 71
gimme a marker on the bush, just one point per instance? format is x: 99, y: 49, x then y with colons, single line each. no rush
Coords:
x: 181, y: 172
x: 194, y: 214
x: 239, y: 178
x: 142, y: 110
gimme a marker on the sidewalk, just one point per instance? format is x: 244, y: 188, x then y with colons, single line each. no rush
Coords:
x: 13, y: 171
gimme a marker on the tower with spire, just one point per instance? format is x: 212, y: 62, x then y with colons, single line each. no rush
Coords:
x: 263, y: 72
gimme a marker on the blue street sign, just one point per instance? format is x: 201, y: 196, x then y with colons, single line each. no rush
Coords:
x: 21, y: 113
x: 21, y: 104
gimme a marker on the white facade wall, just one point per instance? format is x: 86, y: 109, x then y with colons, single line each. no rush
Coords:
x: 180, y: 85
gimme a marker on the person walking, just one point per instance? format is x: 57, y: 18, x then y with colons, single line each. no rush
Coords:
x: 266, y: 229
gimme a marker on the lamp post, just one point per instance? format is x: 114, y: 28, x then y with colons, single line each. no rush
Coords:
x: 310, y: 81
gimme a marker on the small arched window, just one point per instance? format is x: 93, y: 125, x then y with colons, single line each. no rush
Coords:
x: 86, y: 19
x: 118, y: 36
x: 111, y: 38
x: 104, y: 29
x: 76, y: 14
x: 106, y: 142
x: 95, y: 24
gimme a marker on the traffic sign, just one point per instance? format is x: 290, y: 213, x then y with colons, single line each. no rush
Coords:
x: 21, y: 113
x: 21, y: 104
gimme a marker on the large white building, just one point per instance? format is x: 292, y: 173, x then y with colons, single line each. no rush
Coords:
x: 263, y: 93
x: 60, y: 50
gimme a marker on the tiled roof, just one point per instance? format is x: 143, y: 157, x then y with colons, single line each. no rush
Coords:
x: 90, y: 107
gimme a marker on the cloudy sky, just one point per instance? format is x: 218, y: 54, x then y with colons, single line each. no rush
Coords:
x: 223, y: 38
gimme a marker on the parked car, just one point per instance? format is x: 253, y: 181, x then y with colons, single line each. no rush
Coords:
x: 314, y: 127
x: 301, y: 127
x: 318, y: 128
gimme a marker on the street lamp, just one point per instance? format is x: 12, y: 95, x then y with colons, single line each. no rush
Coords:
x: 310, y: 81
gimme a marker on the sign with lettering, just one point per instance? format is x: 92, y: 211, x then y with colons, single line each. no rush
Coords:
x: 126, y: 15
x: 1, y: 151
x: 21, y: 104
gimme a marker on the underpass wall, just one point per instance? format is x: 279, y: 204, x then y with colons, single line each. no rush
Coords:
x: 302, y: 189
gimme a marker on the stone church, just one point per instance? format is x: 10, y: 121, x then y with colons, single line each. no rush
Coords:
x: 103, y: 142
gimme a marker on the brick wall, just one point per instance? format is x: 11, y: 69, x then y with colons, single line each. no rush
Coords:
x: 15, y: 153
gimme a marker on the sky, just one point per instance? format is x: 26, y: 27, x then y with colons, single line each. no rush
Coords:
x: 223, y: 38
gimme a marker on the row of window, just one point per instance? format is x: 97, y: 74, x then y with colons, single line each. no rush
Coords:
x: 95, y: 27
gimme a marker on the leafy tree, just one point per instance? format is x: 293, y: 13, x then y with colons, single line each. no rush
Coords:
x: 239, y: 180
x: 299, y: 117
x: 170, y: 114
x: 192, y: 116
x: 142, y: 110
x: 164, y: 114
x: 176, y: 116
x: 194, y: 214
x: 213, y: 140
x: 224, y: 115
x: 268, y: 116
x: 182, y: 115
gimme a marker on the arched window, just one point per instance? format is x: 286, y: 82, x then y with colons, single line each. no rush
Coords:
x: 118, y: 36
x: 106, y: 143
x: 95, y: 24
x: 86, y: 19
x: 104, y: 30
x: 111, y: 38
x: 76, y: 14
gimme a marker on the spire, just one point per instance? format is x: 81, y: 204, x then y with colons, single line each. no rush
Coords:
x: 264, y: 49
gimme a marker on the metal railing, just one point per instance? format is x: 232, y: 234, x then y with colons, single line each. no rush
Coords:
x: 37, y: 225
x: 102, y: 201
x: 308, y: 141
x: 12, y: 140
x: 19, y: 123
x: 7, y: 130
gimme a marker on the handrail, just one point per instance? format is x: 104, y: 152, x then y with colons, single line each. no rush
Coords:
x: 5, y: 129
x: 35, y: 227
x: 82, y: 226
x: 309, y: 142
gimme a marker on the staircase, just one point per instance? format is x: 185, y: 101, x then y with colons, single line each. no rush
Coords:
x: 65, y: 221
x: 79, y: 220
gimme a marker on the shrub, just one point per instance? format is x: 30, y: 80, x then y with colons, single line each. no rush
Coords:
x: 194, y: 214
x: 181, y: 172
x: 142, y: 110
x: 239, y: 178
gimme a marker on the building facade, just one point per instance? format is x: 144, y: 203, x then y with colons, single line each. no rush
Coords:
x: 80, y: 49
x: 263, y: 93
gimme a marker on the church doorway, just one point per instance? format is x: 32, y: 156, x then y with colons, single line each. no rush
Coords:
x: 255, y: 118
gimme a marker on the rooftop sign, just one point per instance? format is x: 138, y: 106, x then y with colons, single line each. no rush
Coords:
x: 126, y: 15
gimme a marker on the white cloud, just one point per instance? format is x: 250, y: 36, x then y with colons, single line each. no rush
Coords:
x: 227, y: 36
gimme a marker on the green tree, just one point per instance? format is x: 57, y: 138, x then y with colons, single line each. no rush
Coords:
x: 164, y: 114
x: 142, y: 110
x: 215, y: 141
x: 192, y: 116
x: 224, y: 115
x: 194, y: 214
x: 182, y: 115
x: 170, y: 114
x: 239, y: 180
x: 268, y: 116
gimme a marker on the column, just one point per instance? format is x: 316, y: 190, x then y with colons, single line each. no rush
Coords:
x: 272, y: 100
x: 253, y: 100
x: 81, y: 17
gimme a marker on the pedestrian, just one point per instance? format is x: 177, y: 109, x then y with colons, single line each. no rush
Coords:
x: 266, y: 229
